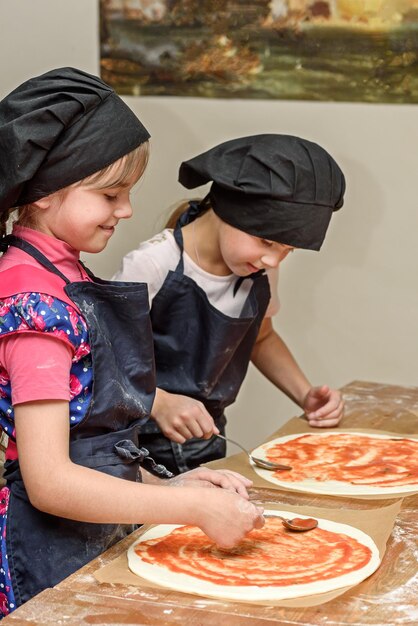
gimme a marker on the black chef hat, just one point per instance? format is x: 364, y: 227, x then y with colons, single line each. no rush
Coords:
x: 277, y: 187
x: 58, y: 128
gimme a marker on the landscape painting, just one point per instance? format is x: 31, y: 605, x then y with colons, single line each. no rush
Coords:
x: 327, y: 50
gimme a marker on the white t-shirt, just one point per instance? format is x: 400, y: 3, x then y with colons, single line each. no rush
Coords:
x: 151, y: 262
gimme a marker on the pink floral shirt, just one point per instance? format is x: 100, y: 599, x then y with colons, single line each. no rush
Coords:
x: 44, y: 354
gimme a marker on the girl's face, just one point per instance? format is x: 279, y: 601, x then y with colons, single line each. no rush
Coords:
x: 245, y: 254
x: 83, y: 216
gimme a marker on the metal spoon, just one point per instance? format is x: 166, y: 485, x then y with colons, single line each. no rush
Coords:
x: 268, y: 465
x: 298, y: 524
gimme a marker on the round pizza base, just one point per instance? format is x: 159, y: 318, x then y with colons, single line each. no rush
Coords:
x: 189, y: 584
x: 329, y: 487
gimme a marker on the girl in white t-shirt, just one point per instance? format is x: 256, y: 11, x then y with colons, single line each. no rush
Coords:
x: 212, y: 279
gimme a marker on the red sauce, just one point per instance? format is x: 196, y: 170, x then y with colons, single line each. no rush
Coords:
x: 306, y: 522
x: 269, y: 557
x: 350, y: 458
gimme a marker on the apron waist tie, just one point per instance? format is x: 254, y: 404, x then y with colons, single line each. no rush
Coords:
x: 129, y: 452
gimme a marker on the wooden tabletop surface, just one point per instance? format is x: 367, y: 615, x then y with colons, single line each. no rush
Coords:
x: 389, y: 596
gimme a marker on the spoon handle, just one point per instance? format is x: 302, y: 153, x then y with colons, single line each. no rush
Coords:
x: 260, y: 462
x: 234, y: 442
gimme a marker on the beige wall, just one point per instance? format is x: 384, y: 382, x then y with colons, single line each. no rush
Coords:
x: 349, y: 312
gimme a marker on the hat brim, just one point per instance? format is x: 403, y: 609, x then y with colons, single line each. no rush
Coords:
x: 294, y: 224
x: 98, y: 139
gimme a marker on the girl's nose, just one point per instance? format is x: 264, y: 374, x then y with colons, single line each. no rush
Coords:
x: 124, y: 210
x: 272, y: 259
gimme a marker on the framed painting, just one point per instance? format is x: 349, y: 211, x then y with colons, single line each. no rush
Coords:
x: 329, y: 50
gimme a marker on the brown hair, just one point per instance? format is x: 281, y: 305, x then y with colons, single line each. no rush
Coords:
x: 129, y: 167
x: 181, y: 208
x: 178, y: 210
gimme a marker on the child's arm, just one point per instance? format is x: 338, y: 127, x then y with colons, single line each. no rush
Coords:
x: 204, y: 477
x: 60, y: 487
x: 323, y: 406
x: 181, y: 418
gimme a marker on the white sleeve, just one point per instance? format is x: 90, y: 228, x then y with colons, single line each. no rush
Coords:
x: 138, y: 266
x: 274, y: 304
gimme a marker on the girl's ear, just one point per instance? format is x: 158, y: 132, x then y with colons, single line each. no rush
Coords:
x: 43, y: 203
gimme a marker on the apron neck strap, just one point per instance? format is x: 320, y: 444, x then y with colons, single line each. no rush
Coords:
x: 88, y: 272
x: 17, y: 242
x: 178, y: 236
x: 241, y: 279
x: 196, y: 208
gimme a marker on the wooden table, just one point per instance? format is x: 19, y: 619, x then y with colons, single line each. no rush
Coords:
x: 389, y: 597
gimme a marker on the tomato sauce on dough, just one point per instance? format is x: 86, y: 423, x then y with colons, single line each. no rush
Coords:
x: 347, y: 457
x: 271, y: 556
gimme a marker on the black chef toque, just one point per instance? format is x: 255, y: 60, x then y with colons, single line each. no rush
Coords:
x: 278, y: 187
x: 58, y: 128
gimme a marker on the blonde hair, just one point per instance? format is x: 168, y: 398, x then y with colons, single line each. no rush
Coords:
x: 130, y: 168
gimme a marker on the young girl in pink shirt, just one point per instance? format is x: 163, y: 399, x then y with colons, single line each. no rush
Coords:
x: 76, y: 353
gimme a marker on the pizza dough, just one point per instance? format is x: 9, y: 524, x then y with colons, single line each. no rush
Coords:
x: 343, y: 463
x: 270, y: 564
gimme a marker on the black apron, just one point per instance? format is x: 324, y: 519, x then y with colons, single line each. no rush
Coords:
x: 44, y: 549
x: 202, y: 353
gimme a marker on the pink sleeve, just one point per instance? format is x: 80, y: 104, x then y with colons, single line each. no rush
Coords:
x: 38, y: 366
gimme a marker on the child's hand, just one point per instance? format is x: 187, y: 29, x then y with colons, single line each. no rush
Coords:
x: 181, y: 418
x: 205, y: 477
x: 226, y: 517
x: 324, y: 407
